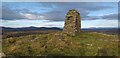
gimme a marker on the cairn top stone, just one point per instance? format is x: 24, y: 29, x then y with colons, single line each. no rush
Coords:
x: 72, y: 11
x: 72, y: 23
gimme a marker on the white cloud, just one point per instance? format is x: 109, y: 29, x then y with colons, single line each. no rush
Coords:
x: 33, y: 16
x: 99, y: 23
x: 60, y: 24
x: 28, y: 23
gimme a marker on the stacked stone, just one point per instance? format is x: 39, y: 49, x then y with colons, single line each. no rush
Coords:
x: 72, y: 23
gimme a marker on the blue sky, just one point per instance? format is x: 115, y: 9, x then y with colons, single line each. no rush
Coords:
x: 59, y: 0
x: 49, y: 14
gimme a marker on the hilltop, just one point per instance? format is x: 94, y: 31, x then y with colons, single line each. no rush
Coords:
x: 70, y: 41
x: 57, y: 43
x: 16, y: 32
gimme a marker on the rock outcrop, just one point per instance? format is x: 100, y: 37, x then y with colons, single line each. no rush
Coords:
x: 72, y: 23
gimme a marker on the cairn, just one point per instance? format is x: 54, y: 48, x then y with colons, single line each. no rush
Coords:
x: 72, y: 23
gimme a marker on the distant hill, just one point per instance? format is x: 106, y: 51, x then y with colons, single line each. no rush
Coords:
x: 9, y: 29
x: 103, y: 30
x: 15, y: 32
x: 100, y: 29
x: 51, y: 28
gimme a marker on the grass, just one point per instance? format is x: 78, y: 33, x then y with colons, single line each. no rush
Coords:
x: 54, y: 44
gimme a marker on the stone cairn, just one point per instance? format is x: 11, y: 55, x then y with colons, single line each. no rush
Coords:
x: 72, y: 23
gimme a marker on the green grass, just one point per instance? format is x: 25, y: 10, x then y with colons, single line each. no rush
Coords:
x: 53, y: 44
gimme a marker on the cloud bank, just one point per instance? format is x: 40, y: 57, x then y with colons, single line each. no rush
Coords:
x: 52, y: 14
x: 55, y: 11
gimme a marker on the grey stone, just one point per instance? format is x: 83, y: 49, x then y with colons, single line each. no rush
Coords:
x: 72, y: 23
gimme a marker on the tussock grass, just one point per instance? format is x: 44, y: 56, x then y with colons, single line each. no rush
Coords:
x: 54, y: 44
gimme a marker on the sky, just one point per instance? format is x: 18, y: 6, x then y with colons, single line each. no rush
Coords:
x: 59, y: 0
x: 52, y: 14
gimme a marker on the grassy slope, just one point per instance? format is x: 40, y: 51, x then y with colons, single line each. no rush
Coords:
x: 85, y: 44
